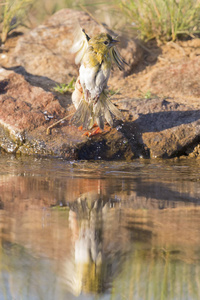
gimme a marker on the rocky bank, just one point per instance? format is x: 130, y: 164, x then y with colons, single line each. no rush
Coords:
x: 160, y: 101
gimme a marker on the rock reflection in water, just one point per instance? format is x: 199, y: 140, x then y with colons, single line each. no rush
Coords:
x: 115, y: 237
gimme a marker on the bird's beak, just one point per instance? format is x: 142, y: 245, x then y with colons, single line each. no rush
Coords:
x: 113, y: 43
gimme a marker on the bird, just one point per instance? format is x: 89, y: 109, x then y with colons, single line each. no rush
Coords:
x: 90, y: 97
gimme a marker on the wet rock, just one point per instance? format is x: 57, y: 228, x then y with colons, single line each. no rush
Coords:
x: 26, y: 111
x: 153, y: 128
x: 45, y: 50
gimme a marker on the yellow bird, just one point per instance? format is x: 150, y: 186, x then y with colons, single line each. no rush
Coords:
x: 90, y: 99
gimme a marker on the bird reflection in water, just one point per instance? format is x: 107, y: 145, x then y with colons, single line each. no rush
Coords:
x: 90, y: 267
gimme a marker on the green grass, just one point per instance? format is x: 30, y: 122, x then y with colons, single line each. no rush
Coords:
x: 15, y: 13
x: 31, y: 13
x: 12, y: 14
x: 65, y: 88
x: 113, y: 92
x: 163, y: 19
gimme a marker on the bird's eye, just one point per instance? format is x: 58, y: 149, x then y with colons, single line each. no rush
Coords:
x: 106, y: 42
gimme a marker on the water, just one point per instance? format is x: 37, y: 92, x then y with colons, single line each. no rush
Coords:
x: 99, y: 230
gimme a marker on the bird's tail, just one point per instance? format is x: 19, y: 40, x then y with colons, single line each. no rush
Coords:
x: 88, y: 114
x: 104, y: 110
x: 83, y: 114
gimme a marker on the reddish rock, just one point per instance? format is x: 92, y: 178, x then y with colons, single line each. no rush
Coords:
x: 153, y: 127
x: 23, y: 106
x: 165, y: 128
x: 180, y: 79
x: 45, y: 50
x: 26, y: 111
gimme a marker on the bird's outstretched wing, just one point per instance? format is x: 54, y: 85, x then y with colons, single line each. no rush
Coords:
x: 117, y: 59
x: 80, y: 44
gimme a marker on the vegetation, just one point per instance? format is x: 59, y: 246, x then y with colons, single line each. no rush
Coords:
x: 65, y: 88
x: 12, y: 14
x: 159, y: 275
x: 163, y: 19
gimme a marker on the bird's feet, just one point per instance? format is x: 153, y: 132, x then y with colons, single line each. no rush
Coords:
x: 94, y: 132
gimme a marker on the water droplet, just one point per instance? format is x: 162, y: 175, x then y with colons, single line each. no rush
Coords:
x: 119, y: 127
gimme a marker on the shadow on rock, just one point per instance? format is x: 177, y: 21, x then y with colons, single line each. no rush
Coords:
x: 3, y: 85
x: 151, y: 52
x: 43, y: 82
x: 158, y: 121
x: 161, y: 129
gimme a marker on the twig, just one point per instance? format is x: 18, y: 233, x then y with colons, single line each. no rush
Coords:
x: 56, y: 123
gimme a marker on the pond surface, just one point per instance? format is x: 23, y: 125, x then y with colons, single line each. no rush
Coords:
x: 99, y: 230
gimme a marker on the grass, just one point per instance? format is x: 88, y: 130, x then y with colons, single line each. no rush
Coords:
x: 65, y: 88
x: 113, y: 92
x: 147, y: 95
x: 159, y: 275
x: 34, y: 12
x: 163, y: 20
x: 12, y: 14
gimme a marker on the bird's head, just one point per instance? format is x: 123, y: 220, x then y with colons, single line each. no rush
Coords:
x: 102, y: 42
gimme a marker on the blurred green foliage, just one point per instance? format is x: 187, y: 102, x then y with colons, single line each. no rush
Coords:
x: 162, y: 19
x: 12, y: 14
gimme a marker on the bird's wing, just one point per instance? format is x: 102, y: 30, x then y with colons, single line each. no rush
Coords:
x: 118, y: 60
x: 80, y: 44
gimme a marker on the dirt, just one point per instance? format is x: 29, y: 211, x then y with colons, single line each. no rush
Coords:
x: 156, y: 58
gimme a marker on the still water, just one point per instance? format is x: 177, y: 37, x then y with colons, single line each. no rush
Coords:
x: 99, y: 230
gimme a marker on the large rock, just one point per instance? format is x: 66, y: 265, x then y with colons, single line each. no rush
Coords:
x: 153, y: 128
x: 165, y: 128
x: 179, y: 79
x: 45, y: 50
x: 26, y: 111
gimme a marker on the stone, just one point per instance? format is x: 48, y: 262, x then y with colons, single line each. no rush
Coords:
x: 164, y: 127
x: 153, y: 128
x: 26, y: 111
x: 45, y: 50
x: 179, y: 79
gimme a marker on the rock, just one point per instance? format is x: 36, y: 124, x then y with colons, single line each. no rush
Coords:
x: 165, y: 128
x: 45, y: 50
x: 180, y: 79
x: 153, y: 127
x: 27, y: 110
x: 130, y: 51
x: 23, y: 108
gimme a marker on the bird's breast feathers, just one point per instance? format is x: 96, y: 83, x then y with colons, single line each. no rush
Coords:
x: 94, y: 73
